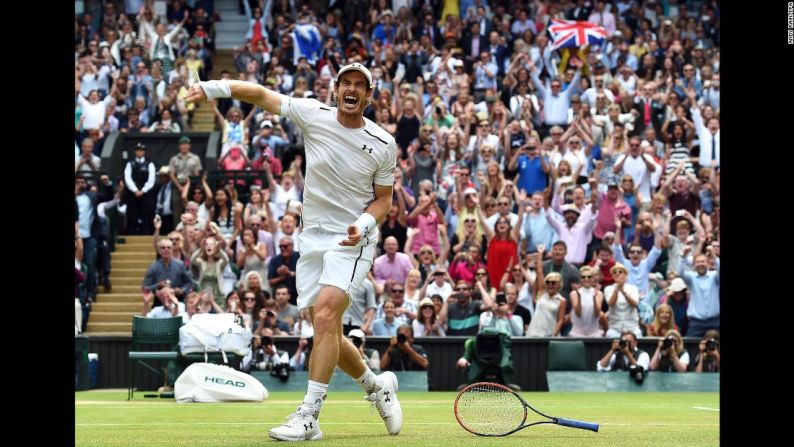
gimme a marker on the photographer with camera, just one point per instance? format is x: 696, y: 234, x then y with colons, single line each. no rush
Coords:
x: 670, y: 355
x: 268, y: 319
x: 403, y: 354
x: 264, y: 354
x: 708, y: 359
x: 300, y: 360
x: 624, y: 355
x: 370, y: 356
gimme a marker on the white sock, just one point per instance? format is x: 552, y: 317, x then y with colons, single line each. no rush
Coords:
x: 367, y: 381
x: 315, y: 395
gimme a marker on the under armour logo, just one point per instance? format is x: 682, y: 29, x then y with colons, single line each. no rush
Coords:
x: 367, y: 148
x: 308, y: 426
x: 387, y: 396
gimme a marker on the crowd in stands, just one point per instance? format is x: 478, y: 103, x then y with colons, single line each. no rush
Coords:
x: 542, y: 192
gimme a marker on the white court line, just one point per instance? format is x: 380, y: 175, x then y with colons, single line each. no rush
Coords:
x: 707, y: 408
x: 149, y: 424
x: 421, y: 403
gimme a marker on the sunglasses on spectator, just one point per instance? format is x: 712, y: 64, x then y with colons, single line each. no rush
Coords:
x: 556, y: 133
x: 471, y: 220
x: 284, y: 245
x: 482, y: 273
x: 548, y: 283
x: 397, y: 290
x: 461, y: 289
x: 426, y: 252
x: 587, y: 277
x: 634, y: 145
x: 249, y: 298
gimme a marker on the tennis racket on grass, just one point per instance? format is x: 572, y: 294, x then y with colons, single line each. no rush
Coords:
x: 491, y: 409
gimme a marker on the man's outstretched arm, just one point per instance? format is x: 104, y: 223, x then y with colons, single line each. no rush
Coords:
x: 242, y: 90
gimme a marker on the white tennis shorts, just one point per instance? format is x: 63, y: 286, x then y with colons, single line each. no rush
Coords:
x: 323, y: 262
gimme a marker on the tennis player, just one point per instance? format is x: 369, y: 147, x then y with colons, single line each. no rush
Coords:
x: 347, y: 191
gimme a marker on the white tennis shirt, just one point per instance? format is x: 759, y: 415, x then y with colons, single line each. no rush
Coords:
x: 342, y: 165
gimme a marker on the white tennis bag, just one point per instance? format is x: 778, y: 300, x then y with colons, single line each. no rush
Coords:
x: 214, y: 333
x: 207, y: 382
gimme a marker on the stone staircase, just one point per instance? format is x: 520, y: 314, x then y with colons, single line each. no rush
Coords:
x: 111, y: 314
x: 229, y: 33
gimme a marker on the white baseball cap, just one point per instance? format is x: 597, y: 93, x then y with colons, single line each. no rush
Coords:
x: 358, y: 333
x: 357, y: 67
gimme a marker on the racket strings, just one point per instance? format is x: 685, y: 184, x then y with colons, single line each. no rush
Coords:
x: 490, y: 410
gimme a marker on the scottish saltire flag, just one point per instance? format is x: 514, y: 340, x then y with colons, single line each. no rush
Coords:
x: 306, y: 42
x: 575, y: 34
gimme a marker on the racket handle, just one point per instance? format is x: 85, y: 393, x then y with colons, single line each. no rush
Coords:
x: 577, y: 424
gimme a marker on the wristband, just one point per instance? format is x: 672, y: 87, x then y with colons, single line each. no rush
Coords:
x: 365, y: 223
x: 216, y: 89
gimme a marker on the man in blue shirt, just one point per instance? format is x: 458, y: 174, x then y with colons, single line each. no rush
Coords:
x: 555, y: 100
x: 532, y: 168
x: 704, y: 298
x: 385, y: 30
x: 167, y: 271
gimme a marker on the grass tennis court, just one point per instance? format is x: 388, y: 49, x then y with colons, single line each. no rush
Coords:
x: 105, y: 418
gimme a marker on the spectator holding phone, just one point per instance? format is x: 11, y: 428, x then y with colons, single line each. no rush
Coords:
x: 439, y: 283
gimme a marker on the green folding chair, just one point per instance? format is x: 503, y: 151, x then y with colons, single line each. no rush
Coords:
x: 150, y: 332
x: 566, y: 355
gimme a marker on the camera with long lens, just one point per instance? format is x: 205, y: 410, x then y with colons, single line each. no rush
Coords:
x: 637, y: 373
x: 281, y: 371
x: 712, y: 345
x: 623, y: 344
x: 356, y: 341
x: 401, y: 338
x: 667, y: 343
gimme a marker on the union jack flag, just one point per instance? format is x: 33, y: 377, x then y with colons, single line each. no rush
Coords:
x: 574, y: 34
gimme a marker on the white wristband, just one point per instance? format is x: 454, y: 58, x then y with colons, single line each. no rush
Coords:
x: 366, y: 222
x: 216, y: 89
